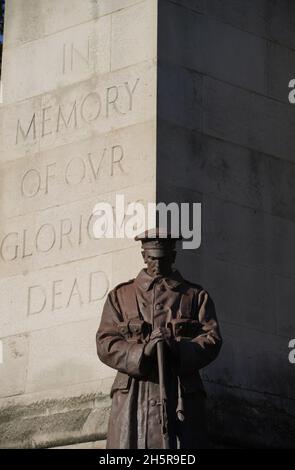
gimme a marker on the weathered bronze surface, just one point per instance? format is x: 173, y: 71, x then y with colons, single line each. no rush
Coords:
x: 158, y: 331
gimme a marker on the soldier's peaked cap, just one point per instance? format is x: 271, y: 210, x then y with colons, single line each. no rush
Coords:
x: 158, y: 241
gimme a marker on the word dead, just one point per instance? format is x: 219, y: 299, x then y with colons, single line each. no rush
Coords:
x: 61, y: 294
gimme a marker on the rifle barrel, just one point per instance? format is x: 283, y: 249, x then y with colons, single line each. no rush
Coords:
x: 163, y: 395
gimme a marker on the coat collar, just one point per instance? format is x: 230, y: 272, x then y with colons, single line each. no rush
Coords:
x: 145, y: 281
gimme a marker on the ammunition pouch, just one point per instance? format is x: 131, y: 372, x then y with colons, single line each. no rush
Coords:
x: 185, y: 328
x: 135, y: 331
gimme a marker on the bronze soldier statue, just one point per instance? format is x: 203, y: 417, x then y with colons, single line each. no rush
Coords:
x: 158, y: 330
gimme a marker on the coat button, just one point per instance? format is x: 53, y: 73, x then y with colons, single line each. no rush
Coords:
x: 152, y: 402
x: 159, y: 306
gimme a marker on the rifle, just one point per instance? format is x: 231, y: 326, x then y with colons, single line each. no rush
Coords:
x: 163, y: 395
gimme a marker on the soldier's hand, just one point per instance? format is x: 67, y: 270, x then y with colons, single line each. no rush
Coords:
x: 205, y: 339
x: 155, y: 337
x: 158, y: 334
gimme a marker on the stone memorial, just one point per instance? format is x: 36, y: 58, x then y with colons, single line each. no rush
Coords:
x: 157, y: 100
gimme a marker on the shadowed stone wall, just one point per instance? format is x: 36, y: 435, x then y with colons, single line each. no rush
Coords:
x: 226, y: 139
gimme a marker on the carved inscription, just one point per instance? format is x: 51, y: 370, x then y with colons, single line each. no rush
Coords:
x: 61, y: 294
x: 50, y: 237
x: 73, y: 57
x: 87, y: 109
x: 55, y: 234
x: 89, y: 168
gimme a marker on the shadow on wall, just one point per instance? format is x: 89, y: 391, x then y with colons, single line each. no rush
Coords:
x: 1, y: 30
x: 225, y: 138
x: 250, y: 385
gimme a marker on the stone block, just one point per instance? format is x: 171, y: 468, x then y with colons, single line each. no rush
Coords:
x: 180, y: 96
x: 252, y: 121
x: 57, y: 60
x: 284, y: 306
x: 249, y: 361
x: 247, y: 15
x: 281, y: 22
x: 64, y: 355
x: 14, y: 364
x: 101, y: 164
x: 243, y: 296
x: 59, y: 295
x: 79, y: 112
x: 126, y: 264
x: 228, y: 171
x: 134, y: 34
x: 201, y: 43
x: 280, y: 70
x: 35, y: 19
x: 64, y: 233
x: 194, y: 5
x: 245, y: 236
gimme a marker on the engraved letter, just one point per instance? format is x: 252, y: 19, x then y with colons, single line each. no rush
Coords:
x: 71, y: 180
x: 89, y: 115
x: 32, y: 127
x: 14, y: 247
x: 83, y: 58
x: 44, y: 120
x: 97, y: 170
x: 112, y: 100
x: 117, y: 160
x: 39, y: 305
x: 65, y: 232
x: 55, y: 294
x: 130, y: 93
x: 51, y: 242
x: 32, y: 189
x: 61, y: 118
x: 99, y: 285
x: 24, y: 254
x: 75, y: 291
x: 48, y: 175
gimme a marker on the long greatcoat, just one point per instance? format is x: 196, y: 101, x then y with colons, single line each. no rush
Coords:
x: 135, y: 419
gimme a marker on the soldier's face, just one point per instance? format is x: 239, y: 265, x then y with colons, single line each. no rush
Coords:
x: 159, y: 265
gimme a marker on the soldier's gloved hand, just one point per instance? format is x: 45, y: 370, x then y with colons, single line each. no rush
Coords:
x: 151, y: 347
x: 167, y: 337
x: 170, y: 342
x: 158, y: 334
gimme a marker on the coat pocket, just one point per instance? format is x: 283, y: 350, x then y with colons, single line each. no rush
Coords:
x: 122, y: 382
